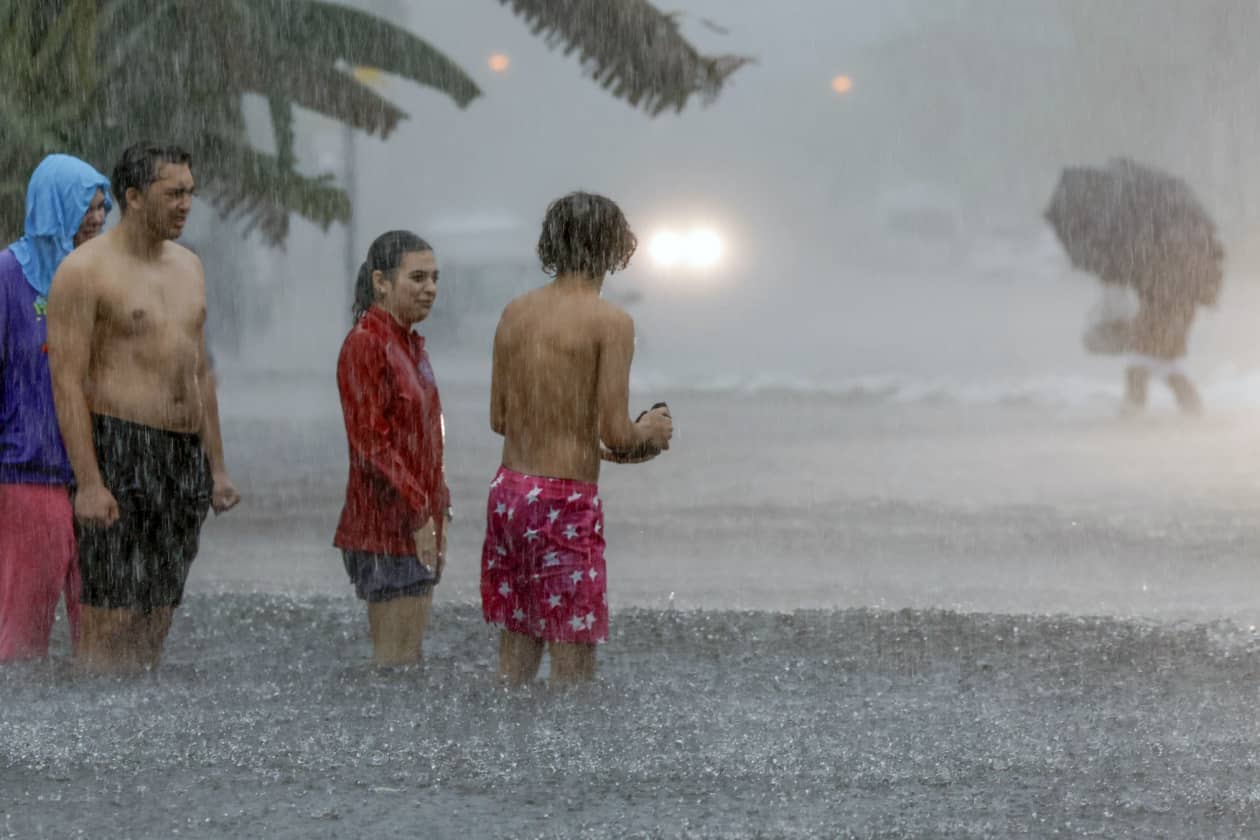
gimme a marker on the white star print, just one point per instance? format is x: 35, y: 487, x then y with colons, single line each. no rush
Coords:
x: 553, y: 515
x: 551, y: 559
x: 542, y: 624
x: 498, y: 479
x: 570, y: 532
x: 531, y: 534
x: 576, y: 576
x: 577, y: 623
x: 553, y: 601
x: 599, y: 526
x: 500, y: 508
x: 511, y: 512
x: 598, y: 501
x: 505, y: 589
x: 490, y: 563
x: 590, y: 620
x: 594, y: 574
x: 575, y: 497
x: 518, y: 614
x: 500, y: 550
x: 532, y: 495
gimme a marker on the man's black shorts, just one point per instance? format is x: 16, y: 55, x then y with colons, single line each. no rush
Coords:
x: 161, y: 481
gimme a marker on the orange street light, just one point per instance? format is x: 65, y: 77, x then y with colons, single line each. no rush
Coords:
x: 499, y: 63
x: 842, y: 84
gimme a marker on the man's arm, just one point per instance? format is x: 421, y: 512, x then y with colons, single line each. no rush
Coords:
x: 616, y: 430
x: 644, y: 453
x: 641, y: 454
x: 71, y: 321
x: 498, y: 394
x: 224, y: 495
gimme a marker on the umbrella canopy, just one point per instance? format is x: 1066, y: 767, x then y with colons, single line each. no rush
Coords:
x: 1136, y: 226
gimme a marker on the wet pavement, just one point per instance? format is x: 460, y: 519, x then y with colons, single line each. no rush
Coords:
x: 831, y: 618
x: 267, y: 721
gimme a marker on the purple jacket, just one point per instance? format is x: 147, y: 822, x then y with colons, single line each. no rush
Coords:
x: 31, y: 451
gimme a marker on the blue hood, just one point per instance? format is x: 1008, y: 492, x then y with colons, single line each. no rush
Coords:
x: 58, y: 196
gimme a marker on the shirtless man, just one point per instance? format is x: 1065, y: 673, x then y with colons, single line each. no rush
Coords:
x: 137, y: 410
x: 559, y: 395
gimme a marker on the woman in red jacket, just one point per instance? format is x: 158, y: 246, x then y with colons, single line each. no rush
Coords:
x: 392, y: 531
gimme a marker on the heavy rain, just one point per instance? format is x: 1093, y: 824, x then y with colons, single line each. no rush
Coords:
x: 928, y: 505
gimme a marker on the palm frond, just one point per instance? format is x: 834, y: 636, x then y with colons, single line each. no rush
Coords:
x: 632, y: 49
x: 243, y: 183
x: 282, y: 130
x: 329, y: 33
x: 48, y: 53
x: 89, y: 76
x: 292, y: 53
x: 327, y: 90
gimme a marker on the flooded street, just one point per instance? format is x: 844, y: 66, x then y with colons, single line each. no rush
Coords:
x: 894, y: 658
x: 777, y: 501
x: 266, y: 722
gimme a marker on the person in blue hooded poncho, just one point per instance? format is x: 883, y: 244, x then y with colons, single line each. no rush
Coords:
x: 66, y: 204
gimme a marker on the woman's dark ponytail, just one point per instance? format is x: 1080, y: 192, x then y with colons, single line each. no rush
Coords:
x: 364, y: 293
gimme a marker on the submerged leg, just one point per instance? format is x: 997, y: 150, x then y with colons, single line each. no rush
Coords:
x: 1136, y: 379
x: 1187, y: 395
x: 109, y: 640
x: 37, y: 561
x: 397, y: 627
x: 519, y: 658
x: 153, y: 628
x: 572, y: 663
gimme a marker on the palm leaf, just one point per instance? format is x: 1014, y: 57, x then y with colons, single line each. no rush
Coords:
x: 282, y: 130
x: 328, y: 33
x: 48, y: 51
x: 92, y: 75
x: 327, y: 90
x: 244, y: 183
x: 291, y: 52
x: 630, y: 48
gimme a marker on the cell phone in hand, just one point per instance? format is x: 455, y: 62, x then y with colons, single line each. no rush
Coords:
x: 653, y: 408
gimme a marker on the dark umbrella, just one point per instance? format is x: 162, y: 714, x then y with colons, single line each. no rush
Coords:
x: 1083, y: 213
x: 1136, y: 226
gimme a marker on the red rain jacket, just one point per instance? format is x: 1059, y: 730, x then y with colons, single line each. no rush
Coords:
x: 393, y: 416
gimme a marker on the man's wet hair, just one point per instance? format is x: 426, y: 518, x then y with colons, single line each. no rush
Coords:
x: 138, y: 167
x: 385, y: 255
x: 587, y: 234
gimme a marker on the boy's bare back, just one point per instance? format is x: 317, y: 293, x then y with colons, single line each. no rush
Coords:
x: 561, y: 365
x: 559, y: 388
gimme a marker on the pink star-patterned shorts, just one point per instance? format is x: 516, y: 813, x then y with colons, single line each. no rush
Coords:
x: 542, y: 564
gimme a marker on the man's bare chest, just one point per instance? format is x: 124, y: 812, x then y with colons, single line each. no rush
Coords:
x: 147, y: 309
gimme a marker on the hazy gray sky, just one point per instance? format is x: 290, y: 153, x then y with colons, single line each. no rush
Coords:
x: 778, y: 158
x: 541, y: 129
x: 980, y: 109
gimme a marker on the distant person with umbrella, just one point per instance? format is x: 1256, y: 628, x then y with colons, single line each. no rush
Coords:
x: 559, y: 390
x: 1144, y: 230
